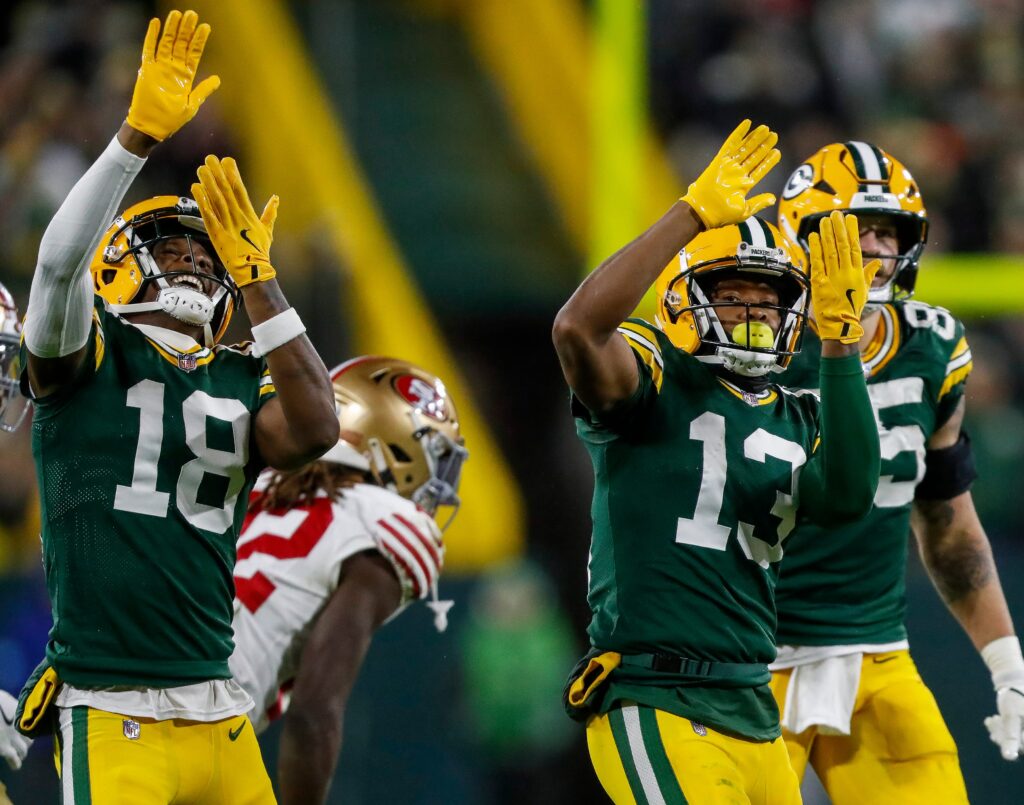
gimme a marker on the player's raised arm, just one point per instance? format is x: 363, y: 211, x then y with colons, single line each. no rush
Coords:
x: 597, y: 364
x: 59, y: 313
x: 300, y: 423
x: 840, y: 480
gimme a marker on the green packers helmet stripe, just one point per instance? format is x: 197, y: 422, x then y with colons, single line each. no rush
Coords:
x: 756, y: 232
x: 869, y: 163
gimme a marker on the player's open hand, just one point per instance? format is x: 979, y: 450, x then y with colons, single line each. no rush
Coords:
x: 164, y: 99
x: 839, y: 279
x: 242, y: 239
x: 719, y: 195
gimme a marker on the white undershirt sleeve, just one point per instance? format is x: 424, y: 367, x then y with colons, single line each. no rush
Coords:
x: 60, y: 302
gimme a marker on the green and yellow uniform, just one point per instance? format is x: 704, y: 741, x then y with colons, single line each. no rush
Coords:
x: 144, y: 464
x: 842, y: 587
x: 697, y: 485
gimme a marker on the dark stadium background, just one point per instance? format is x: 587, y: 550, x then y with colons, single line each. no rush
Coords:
x: 492, y: 246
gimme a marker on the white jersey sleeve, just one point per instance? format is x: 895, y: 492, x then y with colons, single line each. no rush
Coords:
x: 289, y: 564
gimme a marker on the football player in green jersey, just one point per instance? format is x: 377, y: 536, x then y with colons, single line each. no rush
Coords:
x: 700, y: 466
x: 148, y: 436
x: 854, y: 705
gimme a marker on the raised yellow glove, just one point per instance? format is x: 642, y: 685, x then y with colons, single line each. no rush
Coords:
x: 164, y: 99
x: 241, y: 239
x: 839, y: 280
x: 719, y: 195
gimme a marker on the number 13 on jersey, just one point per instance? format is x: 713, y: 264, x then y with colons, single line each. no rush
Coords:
x: 705, y: 529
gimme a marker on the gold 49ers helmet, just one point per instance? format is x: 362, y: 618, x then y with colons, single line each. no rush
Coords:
x: 13, y: 405
x: 861, y: 178
x: 754, y: 251
x: 124, y: 263
x: 399, y: 424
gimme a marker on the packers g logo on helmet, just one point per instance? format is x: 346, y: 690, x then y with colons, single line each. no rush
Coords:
x: 124, y: 262
x: 755, y: 251
x: 398, y: 422
x: 861, y: 178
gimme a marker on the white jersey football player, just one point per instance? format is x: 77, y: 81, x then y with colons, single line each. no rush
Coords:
x: 13, y: 406
x: 328, y: 553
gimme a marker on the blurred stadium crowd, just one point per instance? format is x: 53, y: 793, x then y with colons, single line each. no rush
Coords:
x: 938, y: 83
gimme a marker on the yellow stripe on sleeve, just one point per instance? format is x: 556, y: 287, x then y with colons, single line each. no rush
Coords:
x: 101, y: 346
x: 647, y: 351
x: 955, y: 377
x: 959, y: 349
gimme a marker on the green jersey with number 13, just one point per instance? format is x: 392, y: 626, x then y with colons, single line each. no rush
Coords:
x: 145, y: 464
x: 845, y: 585
x: 694, y: 492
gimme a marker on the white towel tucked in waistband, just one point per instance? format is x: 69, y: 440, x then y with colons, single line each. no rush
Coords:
x: 822, y: 694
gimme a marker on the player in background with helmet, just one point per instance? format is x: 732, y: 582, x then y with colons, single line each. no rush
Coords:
x: 701, y: 464
x: 854, y: 704
x: 13, y: 404
x: 148, y: 436
x: 330, y: 552
x: 13, y: 407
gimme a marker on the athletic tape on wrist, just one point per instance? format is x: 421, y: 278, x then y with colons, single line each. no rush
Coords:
x: 277, y: 330
x: 1005, y: 661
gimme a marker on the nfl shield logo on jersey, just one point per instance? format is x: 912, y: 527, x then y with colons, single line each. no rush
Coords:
x: 699, y: 728
x: 131, y: 729
x: 187, y: 363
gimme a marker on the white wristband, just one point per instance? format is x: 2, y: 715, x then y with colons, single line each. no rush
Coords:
x: 1005, y: 662
x: 276, y: 331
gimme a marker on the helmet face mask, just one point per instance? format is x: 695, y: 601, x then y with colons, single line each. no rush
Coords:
x: 402, y: 428
x: 692, y: 317
x: 13, y: 404
x: 861, y: 178
x: 125, y: 266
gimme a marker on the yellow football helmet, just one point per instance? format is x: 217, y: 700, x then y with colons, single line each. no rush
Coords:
x: 399, y: 424
x: 751, y: 250
x: 123, y: 263
x: 13, y: 405
x: 861, y: 178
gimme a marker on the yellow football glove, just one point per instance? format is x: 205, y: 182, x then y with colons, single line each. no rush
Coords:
x: 719, y: 195
x: 241, y: 239
x: 164, y: 99
x: 839, y: 280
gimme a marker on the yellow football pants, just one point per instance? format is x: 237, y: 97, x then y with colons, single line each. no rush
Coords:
x: 109, y: 759
x: 650, y: 757
x: 899, y: 748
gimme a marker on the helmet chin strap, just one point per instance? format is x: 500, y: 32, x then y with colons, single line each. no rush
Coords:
x: 188, y: 305
x: 747, y: 362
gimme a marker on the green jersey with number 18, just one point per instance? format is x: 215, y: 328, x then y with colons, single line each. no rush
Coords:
x: 694, y: 493
x: 145, y: 464
x: 845, y: 585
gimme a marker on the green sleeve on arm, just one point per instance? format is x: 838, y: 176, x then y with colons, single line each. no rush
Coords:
x: 838, y: 484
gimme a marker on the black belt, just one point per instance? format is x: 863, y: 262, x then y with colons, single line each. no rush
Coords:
x: 673, y: 664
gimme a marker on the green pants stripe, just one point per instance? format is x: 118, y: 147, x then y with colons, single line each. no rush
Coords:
x: 638, y: 741
x: 73, y: 737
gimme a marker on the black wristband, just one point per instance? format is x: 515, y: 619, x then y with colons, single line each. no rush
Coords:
x: 948, y: 472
